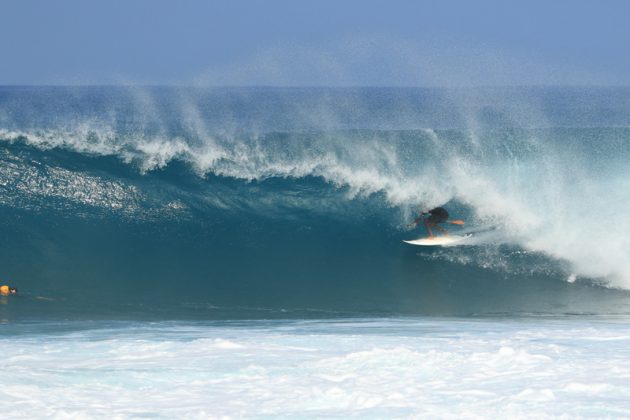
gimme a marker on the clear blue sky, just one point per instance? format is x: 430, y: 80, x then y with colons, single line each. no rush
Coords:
x: 318, y: 42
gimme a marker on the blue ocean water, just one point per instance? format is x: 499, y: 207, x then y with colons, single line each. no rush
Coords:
x: 193, y: 222
x: 211, y: 203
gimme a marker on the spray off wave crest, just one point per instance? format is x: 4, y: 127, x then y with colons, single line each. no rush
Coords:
x: 548, y: 190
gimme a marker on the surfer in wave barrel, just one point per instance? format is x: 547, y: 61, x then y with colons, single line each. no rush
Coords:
x: 436, y: 215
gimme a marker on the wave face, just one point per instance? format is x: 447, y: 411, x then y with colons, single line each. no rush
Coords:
x: 250, y: 201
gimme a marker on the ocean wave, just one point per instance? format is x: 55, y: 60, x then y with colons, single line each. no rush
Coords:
x: 531, y: 185
x: 549, y: 189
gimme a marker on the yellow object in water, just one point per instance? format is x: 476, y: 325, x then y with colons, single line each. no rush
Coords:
x: 4, y: 290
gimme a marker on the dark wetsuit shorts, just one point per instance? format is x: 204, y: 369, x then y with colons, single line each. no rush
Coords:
x: 438, y: 215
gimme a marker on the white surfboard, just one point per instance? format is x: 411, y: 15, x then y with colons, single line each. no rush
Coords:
x: 438, y: 240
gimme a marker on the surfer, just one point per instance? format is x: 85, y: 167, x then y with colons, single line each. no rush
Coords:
x: 6, y: 290
x: 436, y: 215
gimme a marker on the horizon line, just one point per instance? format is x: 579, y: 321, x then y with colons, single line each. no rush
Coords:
x: 262, y: 86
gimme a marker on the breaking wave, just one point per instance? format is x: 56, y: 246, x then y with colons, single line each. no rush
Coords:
x: 541, y: 199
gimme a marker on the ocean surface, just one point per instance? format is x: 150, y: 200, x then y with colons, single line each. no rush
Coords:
x: 237, y: 252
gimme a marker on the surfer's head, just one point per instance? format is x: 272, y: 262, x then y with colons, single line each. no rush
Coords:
x: 6, y: 290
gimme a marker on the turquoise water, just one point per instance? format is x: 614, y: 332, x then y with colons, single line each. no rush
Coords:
x: 241, y: 250
x: 192, y: 203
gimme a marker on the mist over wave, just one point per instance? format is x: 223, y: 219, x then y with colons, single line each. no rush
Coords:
x: 539, y: 175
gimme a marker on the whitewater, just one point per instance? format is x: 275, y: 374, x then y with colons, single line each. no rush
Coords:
x: 237, y: 252
x: 372, y: 368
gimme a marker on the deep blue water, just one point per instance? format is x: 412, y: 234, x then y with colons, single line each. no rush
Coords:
x: 182, y: 203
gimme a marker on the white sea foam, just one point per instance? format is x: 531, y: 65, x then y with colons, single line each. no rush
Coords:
x: 373, y: 368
